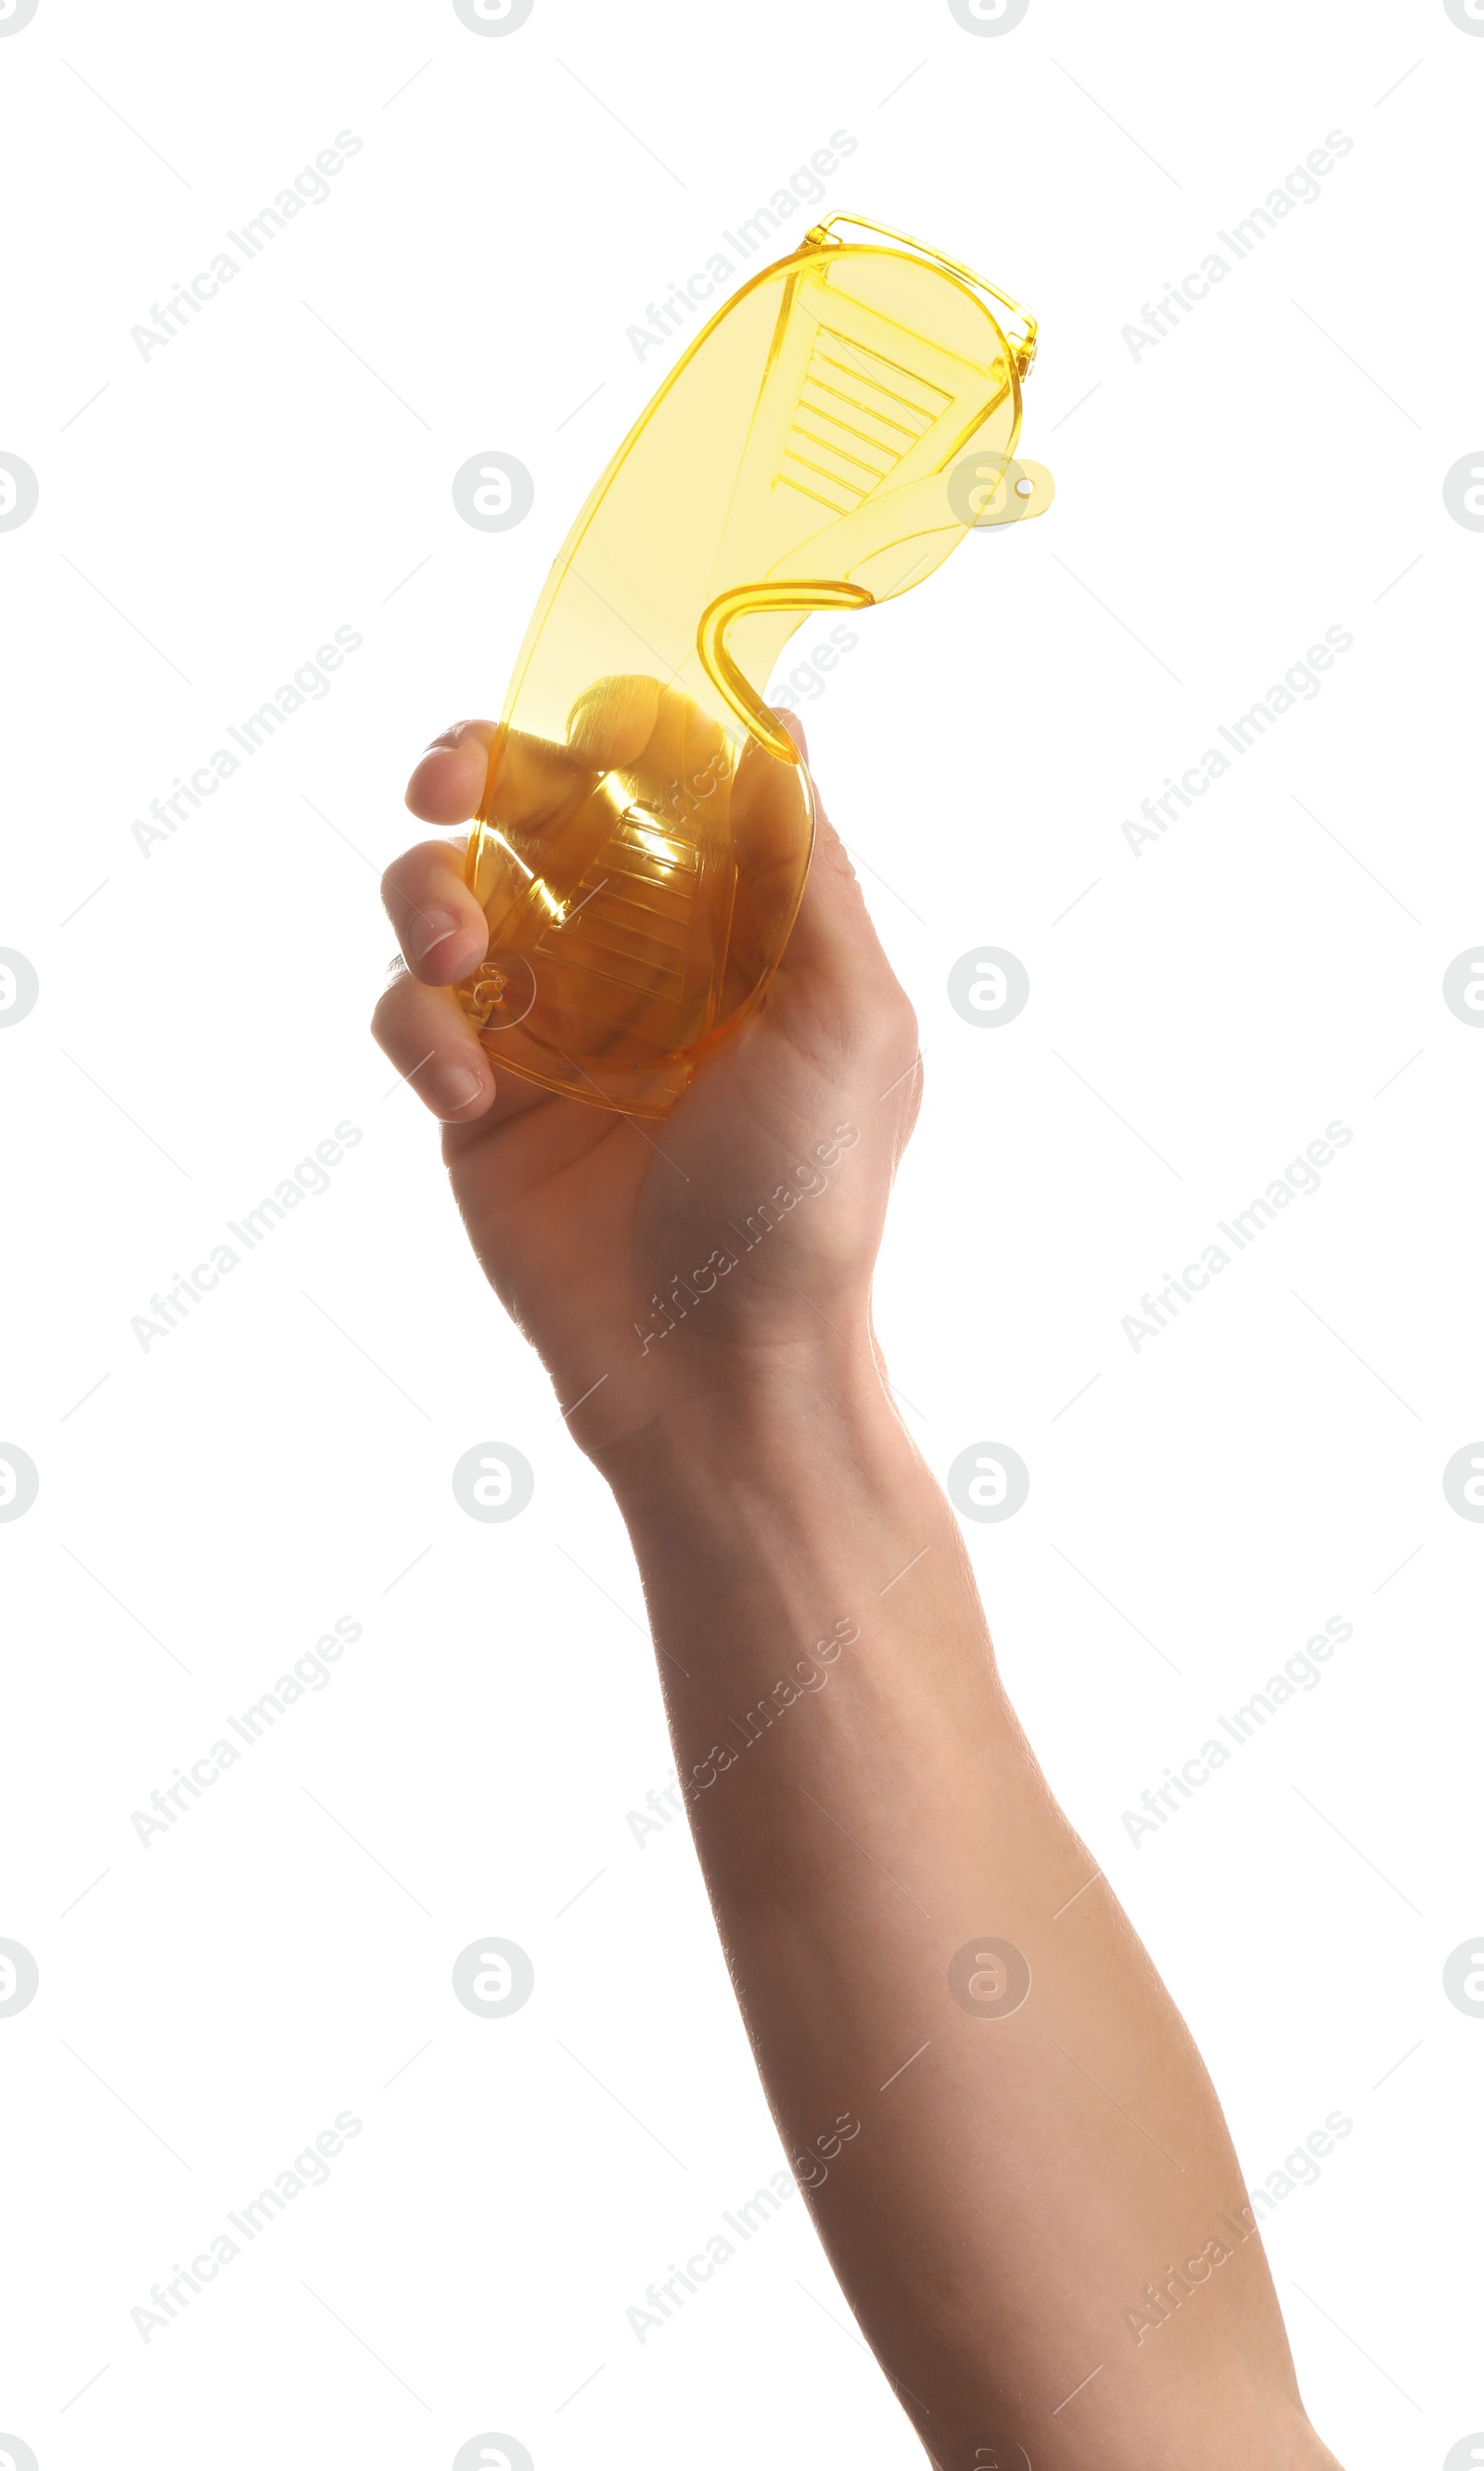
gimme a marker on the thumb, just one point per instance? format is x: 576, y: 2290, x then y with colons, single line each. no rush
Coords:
x: 833, y: 936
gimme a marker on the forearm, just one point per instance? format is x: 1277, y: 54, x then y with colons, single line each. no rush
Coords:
x: 865, y: 1806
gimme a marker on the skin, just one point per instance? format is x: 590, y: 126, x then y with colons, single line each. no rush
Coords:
x: 1036, y: 2215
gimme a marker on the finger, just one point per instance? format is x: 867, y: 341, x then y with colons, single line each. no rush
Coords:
x: 820, y: 917
x: 834, y: 929
x: 440, y: 925
x: 834, y: 938
x: 770, y: 828
x: 611, y: 722
x: 429, y: 1039
x: 448, y: 782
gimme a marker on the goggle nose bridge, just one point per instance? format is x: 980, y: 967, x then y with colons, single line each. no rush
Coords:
x: 752, y: 599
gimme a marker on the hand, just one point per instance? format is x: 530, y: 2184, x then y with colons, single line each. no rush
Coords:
x: 592, y: 1226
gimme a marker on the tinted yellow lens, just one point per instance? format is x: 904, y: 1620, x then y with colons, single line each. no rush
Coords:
x: 644, y: 833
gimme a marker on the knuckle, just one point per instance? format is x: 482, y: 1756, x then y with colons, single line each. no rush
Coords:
x: 388, y: 1009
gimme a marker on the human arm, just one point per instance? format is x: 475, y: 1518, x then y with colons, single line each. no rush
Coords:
x: 1021, y: 2174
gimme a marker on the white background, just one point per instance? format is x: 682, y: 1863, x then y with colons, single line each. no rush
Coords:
x: 283, y: 467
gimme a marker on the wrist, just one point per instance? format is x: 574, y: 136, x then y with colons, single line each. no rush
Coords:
x: 768, y: 1517
x: 773, y: 1430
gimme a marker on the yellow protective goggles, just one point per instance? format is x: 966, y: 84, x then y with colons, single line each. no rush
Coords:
x: 641, y: 847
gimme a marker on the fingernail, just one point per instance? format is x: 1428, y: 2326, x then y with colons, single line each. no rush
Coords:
x: 434, y: 926
x: 454, y: 1088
